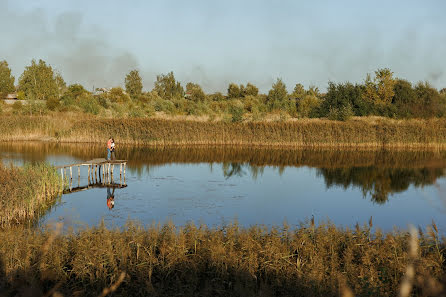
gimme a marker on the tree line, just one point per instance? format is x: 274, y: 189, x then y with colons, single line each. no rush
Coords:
x: 382, y: 94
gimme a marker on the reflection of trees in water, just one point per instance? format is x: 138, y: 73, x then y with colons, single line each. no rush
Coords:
x: 378, y: 173
x: 239, y: 169
x: 232, y: 169
x: 379, y: 182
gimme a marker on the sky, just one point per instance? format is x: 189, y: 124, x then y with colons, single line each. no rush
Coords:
x: 213, y: 43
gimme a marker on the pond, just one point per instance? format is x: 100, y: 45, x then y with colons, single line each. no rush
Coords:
x: 266, y: 186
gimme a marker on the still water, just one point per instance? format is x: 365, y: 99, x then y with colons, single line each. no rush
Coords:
x: 251, y: 185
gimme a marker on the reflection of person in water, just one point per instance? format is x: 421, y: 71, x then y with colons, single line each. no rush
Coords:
x: 110, y: 198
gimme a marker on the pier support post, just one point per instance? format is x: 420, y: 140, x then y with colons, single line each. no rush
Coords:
x: 125, y: 165
x: 89, y: 174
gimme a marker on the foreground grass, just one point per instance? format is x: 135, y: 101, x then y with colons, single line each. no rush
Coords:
x: 225, y: 261
x: 359, y: 132
x: 26, y: 191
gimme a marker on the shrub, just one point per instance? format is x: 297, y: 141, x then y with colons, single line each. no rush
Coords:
x: 136, y: 112
x: 89, y: 104
x: 52, y: 103
x: 236, y: 110
x: 341, y: 113
x: 308, y: 105
x: 17, y: 106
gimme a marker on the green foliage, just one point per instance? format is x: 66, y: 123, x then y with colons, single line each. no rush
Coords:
x: 298, y: 92
x: 340, y: 95
x: 34, y: 107
x: 52, y: 103
x: 6, y: 79
x: 195, y: 93
x: 133, y: 84
x: 236, y: 110
x: 89, y: 104
x: 278, y: 96
x: 72, y: 93
x: 218, y: 96
x: 250, y: 90
x: 16, y: 107
x: 429, y: 101
x: 308, y: 106
x: 38, y: 81
x: 342, y: 113
x: 117, y: 95
x: 234, y: 91
x: 167, y: 87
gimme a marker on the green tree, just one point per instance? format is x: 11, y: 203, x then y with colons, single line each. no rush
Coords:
x: 133, y: 84
x: 405, y: 99
x: 429, y: 101
x: 38, y: 81
x: 298, y: 92
x: 6, y: 79
x: 167, y: 87
x: 234, y: 91
x: 195, y: 92
x: 344, y: 97
x: 278, y: 96
x: 117, y: 95
x: 250, y: 90
x: 308, y: 105
x: 61, y: 85
x: 384, y: 83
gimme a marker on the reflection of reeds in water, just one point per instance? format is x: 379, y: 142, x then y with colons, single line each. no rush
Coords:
x: 26, y: 192
x: 167, y: 260
x: 363, y: 132
x: 377, y: 173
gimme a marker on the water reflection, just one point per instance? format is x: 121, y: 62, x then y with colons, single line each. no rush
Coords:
x: 378, y: 182
x: 378, y: 174
x: 110, y: 198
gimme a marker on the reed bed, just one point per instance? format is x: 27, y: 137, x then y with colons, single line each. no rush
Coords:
x: 165, y: 260
x: 26, y: 191
x: 358, y: 132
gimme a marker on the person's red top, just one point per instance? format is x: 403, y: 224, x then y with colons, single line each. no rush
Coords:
x: 109, y: 203
x: 109, y: 142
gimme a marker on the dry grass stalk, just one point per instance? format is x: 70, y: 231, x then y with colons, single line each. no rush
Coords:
x: 409, y: 276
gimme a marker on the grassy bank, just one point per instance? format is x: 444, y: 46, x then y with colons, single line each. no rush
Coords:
x: 226, y: 261
x: 26, y: 191
x: 358, y: 132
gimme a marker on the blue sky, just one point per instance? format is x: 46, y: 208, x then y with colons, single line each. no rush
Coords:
x: 214, y: 43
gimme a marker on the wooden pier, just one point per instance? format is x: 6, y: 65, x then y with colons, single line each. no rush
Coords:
x: 99, y: 171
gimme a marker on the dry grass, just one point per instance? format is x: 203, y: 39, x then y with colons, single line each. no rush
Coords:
x: 224, y: 261
x: 26, y: 192
x: 358, y: 132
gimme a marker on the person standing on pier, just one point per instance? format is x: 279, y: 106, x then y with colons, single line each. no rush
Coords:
x: 109, y: 148
x: 112, y: 149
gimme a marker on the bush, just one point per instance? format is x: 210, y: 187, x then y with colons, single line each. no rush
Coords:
x: 236, y: 111
x: 52, y: 103
x: 136, y: 112
x: 308, y: 105
x: 89, y: 104
x: 340, y: 114
x: 17, y: 106
x: 163, y: 105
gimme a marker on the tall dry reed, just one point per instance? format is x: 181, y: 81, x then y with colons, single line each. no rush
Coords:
x: 368, y: 132
x: 165, y: 260
x: 26, y: 191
